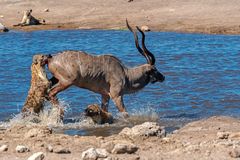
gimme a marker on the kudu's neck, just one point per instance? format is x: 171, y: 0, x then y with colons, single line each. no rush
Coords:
x: 137, y: 78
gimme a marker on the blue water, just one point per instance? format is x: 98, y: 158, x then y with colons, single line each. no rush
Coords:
x: 202, y: 71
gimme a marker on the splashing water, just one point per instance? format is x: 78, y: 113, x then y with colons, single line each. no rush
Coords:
x: 79, y: 124
x: 49, y: 116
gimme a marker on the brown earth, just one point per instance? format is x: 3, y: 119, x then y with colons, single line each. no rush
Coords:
x: 211, y: 16
x: 213, y: 138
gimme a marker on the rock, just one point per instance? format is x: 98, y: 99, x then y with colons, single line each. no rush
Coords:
x: 235, y: 153
x: 1, y: 16
x: 22, y: 149
x: 34, y: 132
x: 145, y: 129
x: 49, y: 148
x: 222, y: 135
x: 124, y: 148
x: 90, y: 154
x: 93, y: 154
x: 108, y: 146
x: 102, y: 153
x: 145, y: 29
x: 61, y: 150
x: 3, y: 148
x: 166, y: 140
x: 3, y: 28
x: 37, y: 156
x: 46, y: 10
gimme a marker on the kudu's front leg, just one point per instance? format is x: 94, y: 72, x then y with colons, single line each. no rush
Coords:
x: 55, y: 90
x: 105, y: 102
x: 52, y: 96
x: 118, y: 101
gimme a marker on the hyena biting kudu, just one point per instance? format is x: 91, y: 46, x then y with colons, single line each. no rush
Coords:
x: 103, y: 74
x: 40, y: 85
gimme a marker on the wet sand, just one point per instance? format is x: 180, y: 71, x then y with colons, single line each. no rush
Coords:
x: 213, y: 138
x: 213, y: 16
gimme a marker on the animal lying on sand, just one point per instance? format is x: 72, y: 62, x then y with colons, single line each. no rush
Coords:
x: 3, y: 28
x: 28, y: 19
x: 103, y: 74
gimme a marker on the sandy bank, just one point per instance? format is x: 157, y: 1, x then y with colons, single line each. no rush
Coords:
x: 213, y: 138
x: 212, y: 16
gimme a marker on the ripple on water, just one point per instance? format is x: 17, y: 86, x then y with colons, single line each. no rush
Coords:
x: 202, y: 73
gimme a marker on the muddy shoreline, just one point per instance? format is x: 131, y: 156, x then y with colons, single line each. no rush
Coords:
x: 231, y: 30
x: 216, y: 137
x: 192, y: 16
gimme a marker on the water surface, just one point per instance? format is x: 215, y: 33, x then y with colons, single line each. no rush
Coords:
x: 202, y: 72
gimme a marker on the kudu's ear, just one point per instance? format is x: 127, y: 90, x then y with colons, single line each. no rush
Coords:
x: 49, y: 56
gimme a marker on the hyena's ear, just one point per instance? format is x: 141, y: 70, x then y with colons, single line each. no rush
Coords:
x: 34, y: 60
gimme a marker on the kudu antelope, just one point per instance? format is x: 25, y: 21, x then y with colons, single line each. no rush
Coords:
x: 103, y: 74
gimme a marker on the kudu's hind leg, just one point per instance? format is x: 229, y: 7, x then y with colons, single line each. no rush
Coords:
x: 117, y: 97
x: 105, y: 102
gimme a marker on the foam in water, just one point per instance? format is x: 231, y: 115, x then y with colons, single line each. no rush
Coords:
x: 50, y: 117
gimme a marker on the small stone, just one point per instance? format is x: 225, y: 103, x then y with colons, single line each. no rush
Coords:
x: 100, y: 138
x: 124, y: 148
x: 49, y: 148
x: 166, y: 140
x: 108, y: 146
x: 22, y: 149
x: 61, y: 150
x: 235, y: 153
x: 175, y: 131
x: 3, y: 148
x: 37, y: 156
x: 222, y: 135
x: 207, y: 153
x: 46, y: 10
x: 76, y: 136
x: 235, y: 135
x: 1, y: 16
x: 90, y: 154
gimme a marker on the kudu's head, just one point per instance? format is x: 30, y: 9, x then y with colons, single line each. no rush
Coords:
x: 152, y: 72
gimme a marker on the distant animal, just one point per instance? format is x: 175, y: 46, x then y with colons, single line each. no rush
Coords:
x: 145, y: 29
x: 98, y: 115
x: 40, y: 84
x: 3, y: 28
x: 28, y: 19
x: 103, y: 74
